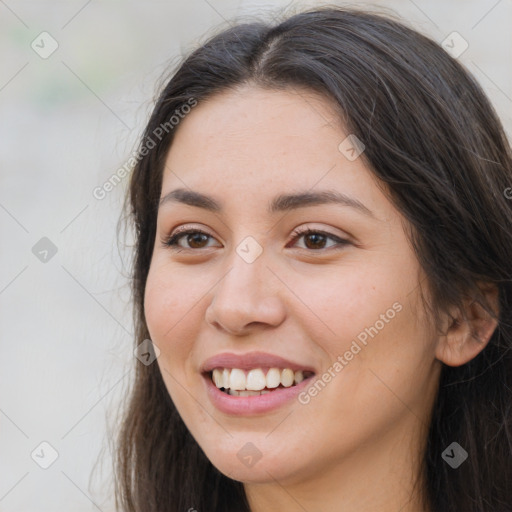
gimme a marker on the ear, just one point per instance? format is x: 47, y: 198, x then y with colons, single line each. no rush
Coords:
x: 467, y: 332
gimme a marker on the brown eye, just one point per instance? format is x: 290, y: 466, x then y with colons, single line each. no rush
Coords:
x: 195, y: 239
x: 316, y: 240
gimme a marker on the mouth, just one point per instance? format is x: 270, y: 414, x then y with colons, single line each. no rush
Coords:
x: 256, y: 381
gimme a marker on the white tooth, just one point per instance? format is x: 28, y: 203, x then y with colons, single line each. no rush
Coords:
x: 273, y: 378
x: 237, y: 379
x: 256, y: 380
x: 299, y: 376
x: 287, y: 377
x: 250, y: 393
x: 225, y: 378
x: 264, y: 392
x: 233, y: 392
x: 217, y: 378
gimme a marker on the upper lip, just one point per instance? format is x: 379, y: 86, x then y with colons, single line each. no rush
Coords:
x: 251, y: 360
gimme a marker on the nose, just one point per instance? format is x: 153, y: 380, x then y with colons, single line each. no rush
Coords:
x: 247, y: 297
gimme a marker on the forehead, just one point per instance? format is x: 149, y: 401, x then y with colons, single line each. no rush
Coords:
x: 256, y: 127
x: 254, y: 143
x: 250, y: 104
x: 256, y: 124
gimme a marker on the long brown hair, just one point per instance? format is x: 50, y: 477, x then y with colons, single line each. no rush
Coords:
x: 433, y: 138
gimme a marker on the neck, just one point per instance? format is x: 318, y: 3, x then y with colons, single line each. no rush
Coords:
x: 381, y: 475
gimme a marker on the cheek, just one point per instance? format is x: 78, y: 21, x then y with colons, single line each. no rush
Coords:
x: 380, y: 350
x: 170, y: 308
x: 369, y: 316
x: 171, y: 297
x: 343, y: 303
x: 171, y: 316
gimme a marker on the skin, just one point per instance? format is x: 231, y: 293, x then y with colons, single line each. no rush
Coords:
x: 302, y: 300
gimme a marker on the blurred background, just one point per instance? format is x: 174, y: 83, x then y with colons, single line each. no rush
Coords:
x: 77, y: 82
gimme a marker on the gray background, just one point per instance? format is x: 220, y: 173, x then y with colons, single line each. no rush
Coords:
x: 67, y: 123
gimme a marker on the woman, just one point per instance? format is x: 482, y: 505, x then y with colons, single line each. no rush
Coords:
x: 323, y: 245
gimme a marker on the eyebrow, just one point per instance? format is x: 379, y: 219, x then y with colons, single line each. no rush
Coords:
x: 281, y: 203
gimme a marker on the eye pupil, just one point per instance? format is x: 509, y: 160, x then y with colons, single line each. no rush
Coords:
x: 320, y: 239
x: 196, y: 236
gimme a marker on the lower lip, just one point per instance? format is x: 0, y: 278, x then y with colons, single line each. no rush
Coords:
x: 257, y: 404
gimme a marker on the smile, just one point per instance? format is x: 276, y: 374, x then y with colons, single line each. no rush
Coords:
x: 257, y: 381
x: 254, y: 383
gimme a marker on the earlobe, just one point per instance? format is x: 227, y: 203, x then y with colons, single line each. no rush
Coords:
x: 466, y: 333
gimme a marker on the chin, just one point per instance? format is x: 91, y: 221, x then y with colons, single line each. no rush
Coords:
x: 240, y: 459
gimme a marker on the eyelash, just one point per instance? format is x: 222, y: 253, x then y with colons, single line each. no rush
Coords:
x: 172, y: 241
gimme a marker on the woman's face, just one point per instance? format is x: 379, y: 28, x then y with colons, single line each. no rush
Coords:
x: 253, y: 293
